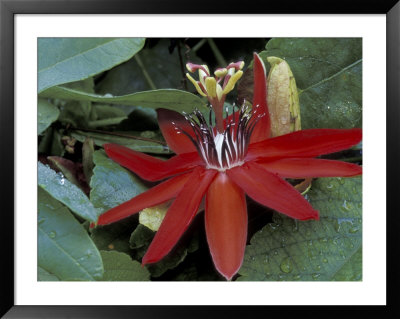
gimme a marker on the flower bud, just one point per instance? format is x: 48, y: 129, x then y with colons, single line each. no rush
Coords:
x: 283, y: 99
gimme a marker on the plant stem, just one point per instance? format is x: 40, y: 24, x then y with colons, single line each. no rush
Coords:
x: 217, y: 53
x: 182, y: 67
x: 145, y: 73
x: 199, y: 45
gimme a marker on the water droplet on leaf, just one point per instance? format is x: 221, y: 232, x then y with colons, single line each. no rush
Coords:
x: 61, y: 179
x: 315, y: 276
x: 286, y: 265
x: 346, y: 206
x: 53, y: 234
x: 273, y: 226
x: 89, y: 253
x: 353, y: 229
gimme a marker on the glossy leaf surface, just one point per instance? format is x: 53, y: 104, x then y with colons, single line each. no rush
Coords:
x: 120, y: 267
x: 325, y: 250
x: 47, y: 114
x: 64, y: 248
x: 175, y: 100
x: 63, y: 60
x: 112, y: 184
x: 69, y: 194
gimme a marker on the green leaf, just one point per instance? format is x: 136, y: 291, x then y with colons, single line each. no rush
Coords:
x: 141, y: 239
x: 161, y: 66
x: 120, y: 267
x: 44, y: 275
x: 352, y: 270
x: 106, y: 115
x: 328, y: 249
x: 114, y: 236
x: 64, y: 60
x: 57, y: 148
x: 50, y: 143
x: 66, y: 192
x: 112, y: 184
x: 85, y: 107
x: 105, y: 111
x: 64, y: 248
x: 328, y: 73
x: 175, y: 100
x: 135, y: 143
x: 72, y: 171
x: 47, y: 114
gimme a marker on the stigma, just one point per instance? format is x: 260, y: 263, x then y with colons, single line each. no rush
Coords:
x: 227, y: 149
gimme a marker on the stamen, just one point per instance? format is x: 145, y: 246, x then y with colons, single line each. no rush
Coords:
x: 222, y: 151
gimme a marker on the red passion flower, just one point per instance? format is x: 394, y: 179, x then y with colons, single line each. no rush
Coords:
x: 223, y: 159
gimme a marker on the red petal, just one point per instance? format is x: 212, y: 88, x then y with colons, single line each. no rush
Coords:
x: 226, y: 224
x: 148, y: 167
x: 311, y: 167
x: 263, y: 127
x: 179, y: 215
x: 272, y: 191
x: 305, y: 143
x: 176, y: 140
x: 154, y: 196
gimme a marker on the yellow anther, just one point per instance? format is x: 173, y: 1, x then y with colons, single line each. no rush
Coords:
x: 221, y: 72
x: 202, y: 75
x: 232, y: 81
x: 211, y: 87
x: 196, y: 85
x: 219, y: 92
x: 206, y: 67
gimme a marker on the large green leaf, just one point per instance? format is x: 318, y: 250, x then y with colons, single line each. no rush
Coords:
x: 136, y: 144
x: 328, y: 249
x: 64, y: 60
x: 69, y: 194
x: 120, y: 267
x: 64, y: 248
x: 328, y: 73
x: 175, y: 100
x: 112, y: 184
x: 47, y: 114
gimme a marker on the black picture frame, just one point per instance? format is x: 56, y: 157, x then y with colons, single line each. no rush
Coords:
x: 8, y: 10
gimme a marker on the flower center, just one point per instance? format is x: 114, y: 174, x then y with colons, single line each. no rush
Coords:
x: 222, y: 151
